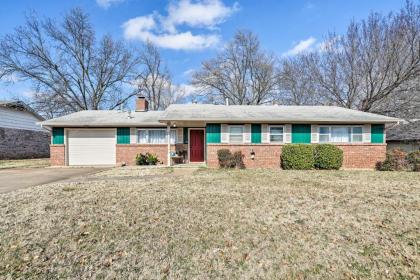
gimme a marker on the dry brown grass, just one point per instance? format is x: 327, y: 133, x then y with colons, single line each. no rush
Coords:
x: 134, y: 171
x: 216, y: 224
x: 24, y: 163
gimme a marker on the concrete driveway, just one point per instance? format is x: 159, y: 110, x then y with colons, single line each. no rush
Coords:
x: 19, y: 178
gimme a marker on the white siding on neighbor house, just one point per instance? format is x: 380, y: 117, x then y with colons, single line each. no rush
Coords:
x: 406, y: 147
x: 11, y: 118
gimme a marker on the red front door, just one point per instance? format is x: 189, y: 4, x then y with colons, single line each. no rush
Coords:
x: 196, y: 145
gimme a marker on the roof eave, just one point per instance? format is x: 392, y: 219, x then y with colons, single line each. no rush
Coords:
x: 110, y: 125
x: 281, y: 121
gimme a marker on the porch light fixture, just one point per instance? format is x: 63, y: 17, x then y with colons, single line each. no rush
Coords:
x: 252, y: 154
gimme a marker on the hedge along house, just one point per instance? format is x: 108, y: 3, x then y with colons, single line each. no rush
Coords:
x: 195, y: 132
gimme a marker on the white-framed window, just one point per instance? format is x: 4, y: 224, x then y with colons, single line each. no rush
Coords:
x: 236, y: 134
x: 154, y: 136
x: 324, y: 134
x: 276, y: 133
x: 357, y: 134
x: 340, y: 134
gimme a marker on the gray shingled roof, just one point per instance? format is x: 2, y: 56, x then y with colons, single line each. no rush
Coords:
x: 272, y: 113
x: 404, y: 132
x: 218, y: 113
x: 21, y: 106
x: 106, y: 118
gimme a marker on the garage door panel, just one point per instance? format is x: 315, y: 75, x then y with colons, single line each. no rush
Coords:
x: 91, y: 147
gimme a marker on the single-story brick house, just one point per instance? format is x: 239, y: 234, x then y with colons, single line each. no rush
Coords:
x: 404, y: 136
x: 197, y: 131
x: 20, y: 135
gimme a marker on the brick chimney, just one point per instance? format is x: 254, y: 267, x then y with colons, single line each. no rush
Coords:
x: 142, y: 105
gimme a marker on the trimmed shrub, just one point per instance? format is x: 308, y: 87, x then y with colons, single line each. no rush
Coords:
x: 297, y: 156
x: 147, y: 159
x: 225, y: 158
x: 229, y: 160
x: 141, y: 159
x: 413, y: 159
x: 238, y: 159
x: 328, y: 156
x: 396, y: 160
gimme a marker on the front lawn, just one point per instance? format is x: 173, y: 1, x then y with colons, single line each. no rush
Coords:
x: 215, y: 224
x: 24, y: 163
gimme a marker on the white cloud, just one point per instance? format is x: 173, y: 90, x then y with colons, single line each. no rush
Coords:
x: 162, y: 30
x: 301, y: 46
x: 206, y: 13
x: 107, y: 3
x: 188, y: 90
x: 328, y: 45
x: 143, y: 29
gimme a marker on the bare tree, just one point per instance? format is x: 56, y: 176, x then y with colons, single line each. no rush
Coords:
x: 69, y: 69
x: 172, y: 95
x: 374, y: 67
x: 296, y: 86
x: 154, y: 80
x: 241, y: 73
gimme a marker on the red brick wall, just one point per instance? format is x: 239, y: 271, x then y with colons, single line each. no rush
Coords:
x: 266, y: 155
x: 363, y: 156
x: 127, y: 153
x: 57, y: 155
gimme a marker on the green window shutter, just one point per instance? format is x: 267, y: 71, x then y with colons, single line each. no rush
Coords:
x: 255, y: 133
x: 377, y: 133
x: 58, y: 135
x: 301, y: 133
x: 185, y: 135
x: 213, y: 133
x: 123, y: 135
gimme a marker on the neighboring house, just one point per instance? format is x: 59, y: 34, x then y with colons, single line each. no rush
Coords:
x: 20, y: 135
x: 405, y: 136
x: 198, y: 131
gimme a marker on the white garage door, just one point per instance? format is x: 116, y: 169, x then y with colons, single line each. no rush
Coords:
x: 91, y: 146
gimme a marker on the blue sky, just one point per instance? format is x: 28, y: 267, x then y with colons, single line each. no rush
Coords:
x: 189, y: 32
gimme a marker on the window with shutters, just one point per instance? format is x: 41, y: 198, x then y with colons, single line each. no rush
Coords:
x: 154, y: 136
x: 276, y: 134
x: 340, y: 134
x: 236, y: 134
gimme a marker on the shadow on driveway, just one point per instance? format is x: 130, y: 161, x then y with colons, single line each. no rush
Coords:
x: 19, y: 178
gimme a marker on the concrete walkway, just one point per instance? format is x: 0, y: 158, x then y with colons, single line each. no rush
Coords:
x: 19, y: 178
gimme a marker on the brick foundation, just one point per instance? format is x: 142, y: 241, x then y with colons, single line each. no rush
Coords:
x: 364, y: 156
x: 266, y: 155
x: 58, y: 155
x: 127, y: 153
x: 22, y: 143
